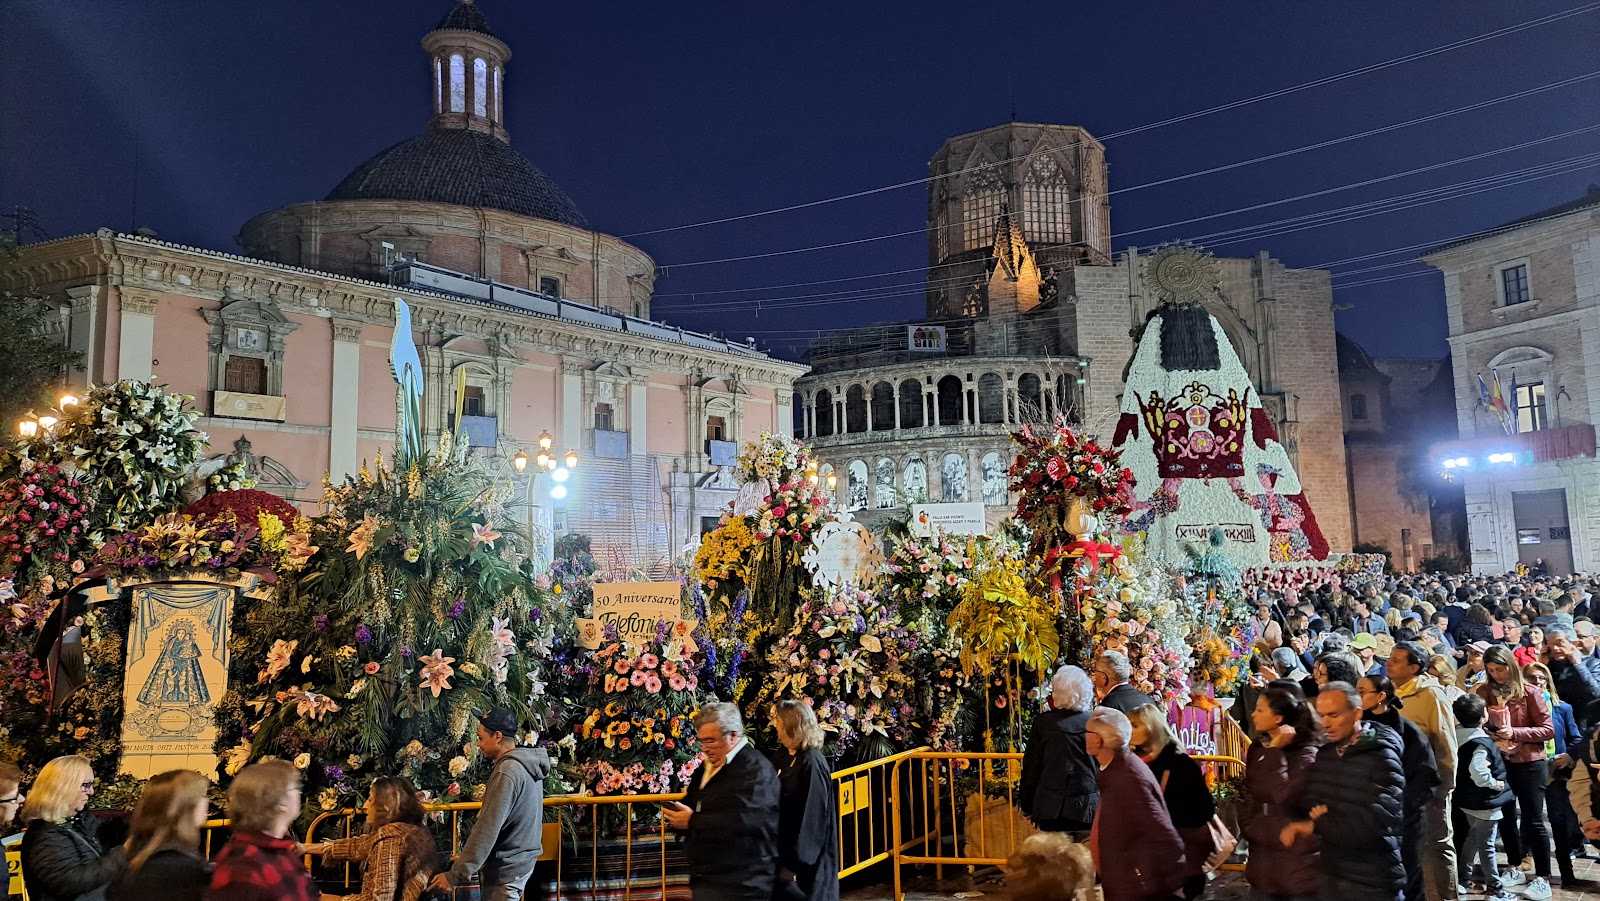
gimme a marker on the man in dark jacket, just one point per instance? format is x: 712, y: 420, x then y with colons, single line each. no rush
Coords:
x: 508, y: 837
x: 1138, y: 851
x: 1110, y: 674
x: 1577, y: 677
x: 1353, y: 800
x: 1421, y: 769
x: 1059, y: 787
x: 729, y: 815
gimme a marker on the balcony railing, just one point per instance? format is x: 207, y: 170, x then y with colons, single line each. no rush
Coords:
x: 1525, y: 448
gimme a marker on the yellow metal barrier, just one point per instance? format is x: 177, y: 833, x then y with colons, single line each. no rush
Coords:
x: 868, y: 798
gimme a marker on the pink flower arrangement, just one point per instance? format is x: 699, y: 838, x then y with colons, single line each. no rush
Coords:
x: 436, y: 671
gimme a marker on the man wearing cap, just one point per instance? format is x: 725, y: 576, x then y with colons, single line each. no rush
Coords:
x: 507, y: 839
x: 1366, y: 647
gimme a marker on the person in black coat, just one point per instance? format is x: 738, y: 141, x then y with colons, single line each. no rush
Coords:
x: 1110, y: 675
x: 1353, y: 802
x: 1183, y: 788
x: 1060, y: 781
x: 729, y: 815
x: 808, y: 813
x: 1417, y: 762
x: 164, y: 860
x: 62, y: 859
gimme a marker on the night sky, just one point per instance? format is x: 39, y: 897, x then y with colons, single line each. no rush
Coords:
x: 190, y: 117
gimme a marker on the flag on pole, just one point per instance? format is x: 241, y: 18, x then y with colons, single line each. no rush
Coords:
x: 1497, y: 401
x: 1483, y: 391
x: 1515, y: 425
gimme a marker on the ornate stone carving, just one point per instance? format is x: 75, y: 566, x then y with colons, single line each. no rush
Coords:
x: 1181, y: 273
x: 143, y: 304
x: 347, y: 332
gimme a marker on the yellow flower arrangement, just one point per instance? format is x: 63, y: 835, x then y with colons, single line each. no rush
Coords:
x: 723, y: 552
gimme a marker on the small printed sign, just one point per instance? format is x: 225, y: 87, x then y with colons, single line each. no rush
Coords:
x: 1239, y: 532
x: 951, y: 519
x: 925, y: 338
x: 635, y: 609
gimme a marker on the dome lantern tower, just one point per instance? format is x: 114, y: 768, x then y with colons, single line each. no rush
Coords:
x: 468, y: 73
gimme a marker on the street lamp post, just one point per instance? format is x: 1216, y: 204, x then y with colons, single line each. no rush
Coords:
x: 543, y: 495
x: 31, y: 425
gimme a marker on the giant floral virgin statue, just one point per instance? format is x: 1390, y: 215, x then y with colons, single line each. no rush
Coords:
x: 1202, y: 449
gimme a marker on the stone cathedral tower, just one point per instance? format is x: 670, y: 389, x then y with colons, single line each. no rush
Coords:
x: 1009, y: 208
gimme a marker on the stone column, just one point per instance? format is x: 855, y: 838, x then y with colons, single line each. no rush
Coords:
x: 343, y: 415
x: 82, y: 320
x: 638, y: 417
x: 136, y: 344
x: 783, y: 409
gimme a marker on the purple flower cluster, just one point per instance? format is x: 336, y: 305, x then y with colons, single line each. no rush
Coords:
x: 363, y: 634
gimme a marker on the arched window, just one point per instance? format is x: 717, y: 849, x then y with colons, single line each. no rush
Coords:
x: 438, y: 85
x: 858, y: 485
x: 480, y: 87
x: 1046, y: 202
x: 980, y: 207
x: 991, y: 398
x: 1029, y: 399
x: 950, y: 403
x: 458, y: 84
x: 855, y: 409
x: 883, y: 493
x: 499, y: 108
x: 824, y: 413
x: 994, y: 480
x: 916, y: 480
x: 911, y: 404
x: 882, y: 407
x: 953, y: 478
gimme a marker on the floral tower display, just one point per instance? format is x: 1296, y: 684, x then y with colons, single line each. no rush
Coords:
x: 417, y: 608
x: 1202, y: 450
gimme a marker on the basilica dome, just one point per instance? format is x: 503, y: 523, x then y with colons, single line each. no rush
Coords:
x: 461, y: 167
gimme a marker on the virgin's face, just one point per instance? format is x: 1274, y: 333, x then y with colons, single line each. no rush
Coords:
x: 1262, y: 717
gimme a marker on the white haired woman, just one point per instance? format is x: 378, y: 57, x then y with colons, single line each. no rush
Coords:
x: 1059, y: 788
x: 808, y: 818
x: 1139, y: 854
x: 62, y: 859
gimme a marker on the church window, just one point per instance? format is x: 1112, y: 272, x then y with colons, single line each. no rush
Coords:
x: 1358, y: 406
x: 549, y: 284
x: 980, y: 207
x: 1046, y: 202
x: 499, y: 110
x: 438, y: 86
x: 1530, y: 407
x: 941, y: 230
x: 716, y: 428
x: 246, y: 375
x: 458, y: 84
x: 1514, y: 284
x: 480, y: 87
x: 603, y: 415
x: 1089, y: 213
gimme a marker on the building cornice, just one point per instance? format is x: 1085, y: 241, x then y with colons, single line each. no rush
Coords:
x: 151, y: 265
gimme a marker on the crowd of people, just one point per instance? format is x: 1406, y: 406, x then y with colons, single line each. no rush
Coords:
x: 1402, y: 736
x: 753, y: 829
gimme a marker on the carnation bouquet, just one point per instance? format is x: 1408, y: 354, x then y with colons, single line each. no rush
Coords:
x: 636, y: 737
x: 1138, y: 608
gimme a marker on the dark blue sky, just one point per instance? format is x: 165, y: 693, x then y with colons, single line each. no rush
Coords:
x: 654, y: 115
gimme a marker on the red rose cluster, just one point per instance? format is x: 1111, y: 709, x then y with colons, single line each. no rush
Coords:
x: 44, y: 513
x: 246, y: 505
x: 1052, y: 469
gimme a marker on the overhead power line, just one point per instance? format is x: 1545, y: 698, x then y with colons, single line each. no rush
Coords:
x: 1320, y: 145
x: 1231, y: 105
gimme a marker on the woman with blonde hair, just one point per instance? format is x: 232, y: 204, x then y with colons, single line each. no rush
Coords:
x: 1443, y: 668
x: 808, y: 820
x: 62, y: 859
x: 397, y: 855
x: 163, y: 846
x: 1183, y: 787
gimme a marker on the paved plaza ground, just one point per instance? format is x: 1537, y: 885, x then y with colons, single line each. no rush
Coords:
x: 1227, y: 887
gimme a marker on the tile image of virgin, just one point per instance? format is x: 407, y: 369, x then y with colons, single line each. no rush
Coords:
x: 176, y: 680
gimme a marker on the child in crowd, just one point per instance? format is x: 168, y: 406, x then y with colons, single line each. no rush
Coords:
x: 1481, y: 791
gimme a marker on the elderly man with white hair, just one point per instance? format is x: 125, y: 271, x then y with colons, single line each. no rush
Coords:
x: 1111, y: 674
x: 1139, y: 854
x: 1059, y: 787
x: 729, y: 815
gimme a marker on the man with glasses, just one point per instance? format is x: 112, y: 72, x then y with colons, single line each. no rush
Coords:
x: 729, y: 815
x: 1110, y: 675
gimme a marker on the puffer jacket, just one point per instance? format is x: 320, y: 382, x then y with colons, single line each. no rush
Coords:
x: 1274, y: 780
x: 1417, y: 762
x: 64, y: 862
x: 1363, y: 786
x: 1531, y: 724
